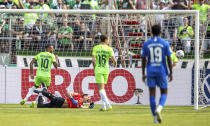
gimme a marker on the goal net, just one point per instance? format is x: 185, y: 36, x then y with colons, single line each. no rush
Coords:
x: 73, y: 33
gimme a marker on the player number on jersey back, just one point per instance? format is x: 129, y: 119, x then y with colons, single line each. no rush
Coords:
x: 44, y: 63
x: 155, y: 54
x: 102, y: 60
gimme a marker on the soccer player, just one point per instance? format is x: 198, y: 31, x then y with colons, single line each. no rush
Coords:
x: 100, y: 58
x: 73, y: 100
x: 154, y: 53
x: 43, y: 73
x: 174, y: 58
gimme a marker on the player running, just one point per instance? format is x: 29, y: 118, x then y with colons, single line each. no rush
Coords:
x: 43, y: 73
x: 154, y: 53
x: 100, y: 58
x: 73, y: 100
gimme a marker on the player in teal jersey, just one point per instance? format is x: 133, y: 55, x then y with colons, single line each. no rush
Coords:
x: 43, y: 73
x: 100, y: 58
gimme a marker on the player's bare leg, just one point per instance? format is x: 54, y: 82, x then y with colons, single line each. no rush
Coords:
x: 106, y: 105
x: 30, y: 92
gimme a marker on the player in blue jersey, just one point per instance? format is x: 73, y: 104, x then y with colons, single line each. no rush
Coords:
x: 154, y: 53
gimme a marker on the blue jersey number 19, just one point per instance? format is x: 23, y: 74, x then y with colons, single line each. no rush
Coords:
x: 155, y: 54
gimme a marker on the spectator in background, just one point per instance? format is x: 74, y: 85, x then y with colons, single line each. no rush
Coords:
x: 203, y: 8
x: 51, y: 23
x: 5, y: 3
x: 4, y: 30
x: 161, y: 5
x: 9, y: 4
x: 77, y: 5
x: 42, y: 6
x: 70, y: 3
x: 103, y: 4
x: 76, y: 26
x: 180, y: 5
x: 65, y: 34
x: 185, y: 34
x: 30, y: 18
x: 82, y: 37
x: 53, y: 3
x: 26, y: 4
x: 38, y: 34
x: 141, y: 5
x: 129, y: 4
x: 59, y: 5
x: 20, y: 32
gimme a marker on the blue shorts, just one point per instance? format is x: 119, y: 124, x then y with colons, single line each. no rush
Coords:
x: 160, y: 81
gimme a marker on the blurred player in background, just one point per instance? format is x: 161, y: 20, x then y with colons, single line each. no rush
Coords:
x: 100, y: 58
x: 154, y: 53
x: 43, y: 73
x: 73, y: 100
x: 174, y: 58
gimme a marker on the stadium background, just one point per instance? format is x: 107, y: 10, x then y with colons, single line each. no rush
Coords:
x: 75, y: 58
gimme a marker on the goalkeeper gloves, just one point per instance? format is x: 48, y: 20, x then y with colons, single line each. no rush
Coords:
x: 91, y: 105
x: 74, y: 101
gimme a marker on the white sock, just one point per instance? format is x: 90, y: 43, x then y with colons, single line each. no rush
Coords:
x: 30, y: 92
x: 104, y: 97
x: 159, y: 108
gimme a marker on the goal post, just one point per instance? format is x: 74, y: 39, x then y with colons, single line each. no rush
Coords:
x: 115, y: 23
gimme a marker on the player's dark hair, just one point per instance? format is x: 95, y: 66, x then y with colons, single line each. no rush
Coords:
x: 84, y: 95
x: 156, y: 30
x: 103, y: 38
x: 48, y: 45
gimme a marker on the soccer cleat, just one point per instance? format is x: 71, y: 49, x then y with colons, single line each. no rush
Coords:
x: 155, y: 120
x: 159, y: 117
x: 32, y: 104
x: 109, y: 108
x: 103, y: 108
x: 23, y: 102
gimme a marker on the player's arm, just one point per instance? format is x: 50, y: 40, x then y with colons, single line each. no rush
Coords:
x: 94, y: 57
x: 170, y: 68
x: 94, y: 61
x: 143, y: 68
x: 70, y: 96
x: 31, y: 67
x: 55, y: 64
x: 114, y: 61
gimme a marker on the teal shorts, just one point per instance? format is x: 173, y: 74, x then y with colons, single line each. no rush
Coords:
x: 101, y: 78
x: 39, y: 80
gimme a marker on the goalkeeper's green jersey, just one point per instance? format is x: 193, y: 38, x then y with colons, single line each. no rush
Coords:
x: 102, y: 53
x: 45, y: 60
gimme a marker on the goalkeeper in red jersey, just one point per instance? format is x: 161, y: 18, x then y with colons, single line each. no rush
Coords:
x: 73, y: 100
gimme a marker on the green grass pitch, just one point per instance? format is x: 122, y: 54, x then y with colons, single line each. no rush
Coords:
x: 121, y: 115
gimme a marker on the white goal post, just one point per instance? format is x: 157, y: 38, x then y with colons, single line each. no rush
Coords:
x: 195, y: 13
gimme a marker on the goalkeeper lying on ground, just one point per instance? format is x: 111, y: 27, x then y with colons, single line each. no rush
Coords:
x: 74, y: 100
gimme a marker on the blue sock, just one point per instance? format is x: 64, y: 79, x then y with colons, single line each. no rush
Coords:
x: 152, y: 104
x: 163, y: 98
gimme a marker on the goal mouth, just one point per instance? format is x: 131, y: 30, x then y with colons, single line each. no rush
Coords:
x: 73, y: 33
